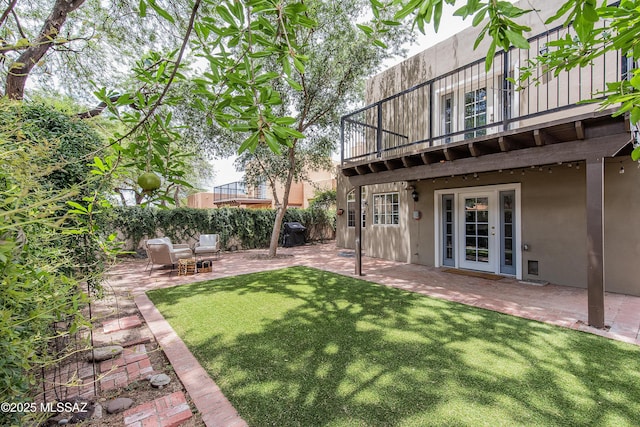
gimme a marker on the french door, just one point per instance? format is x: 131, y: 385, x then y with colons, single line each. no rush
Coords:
x: 479, y: 229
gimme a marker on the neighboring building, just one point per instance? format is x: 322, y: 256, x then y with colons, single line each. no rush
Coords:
x: 237, y: 194
x: 457, y: 169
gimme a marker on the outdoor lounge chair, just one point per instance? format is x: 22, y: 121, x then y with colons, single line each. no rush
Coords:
x: 162, y: 252
x: 208, y: 244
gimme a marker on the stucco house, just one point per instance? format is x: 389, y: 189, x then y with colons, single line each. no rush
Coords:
x: 449, y: 166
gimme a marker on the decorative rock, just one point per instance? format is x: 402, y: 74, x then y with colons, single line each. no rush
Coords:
x: 97, y: 412
x: 118, y: 405
x: 63, y: 422
x: 159, y: 380
x: 104, y: 353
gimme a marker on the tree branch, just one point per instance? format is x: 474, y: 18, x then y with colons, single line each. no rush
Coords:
x: 20, y: 69
x: 7, y: 12
x: 185, y: 41
x: 97, y: 110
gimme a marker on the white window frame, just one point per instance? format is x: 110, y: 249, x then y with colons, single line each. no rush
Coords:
x: 383, y: 209
x: 437, y: 215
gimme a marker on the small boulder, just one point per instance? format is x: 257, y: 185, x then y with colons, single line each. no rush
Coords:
x: 120, y: 404
x: 159, y: 380
x: 100, y: 354
x: 97, y: 412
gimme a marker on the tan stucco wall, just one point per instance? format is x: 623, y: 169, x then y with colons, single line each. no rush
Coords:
x: 553, y: 223
x: 449, y: 55
x: 622, y: 227
x: 302, y: 192
x: 379, y: 241
x: 200, y: 200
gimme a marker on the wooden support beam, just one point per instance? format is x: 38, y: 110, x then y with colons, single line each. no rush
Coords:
x: 475, y: 149
x: 405, y: 162
x: 392, y: 164
x: 579, y: 130
x: 363, y: 169
x: 426, y: 159
x: 539, y: 137
x: 349, y: 172
x: 504, y: 143
x: 605, y: 146
x: 450, y: 155
x: 378, y: 167
x: 595, y: 241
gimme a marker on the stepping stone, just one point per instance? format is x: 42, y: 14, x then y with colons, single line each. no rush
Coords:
x: 159, y: 380
x: 120, y: 404
x: 104, y: 353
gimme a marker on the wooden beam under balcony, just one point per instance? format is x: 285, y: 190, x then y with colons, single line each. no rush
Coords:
x: 605, y: 146
x: 378, y: 167
x: 452, y: 153
x: 504, y: 143
x: 476, y: 149
x: 579, y: 130
x: 363, y: 169
x: 492, y: 148
x: 412, y: 160
x: 392, y: 164
x: 540, y: 137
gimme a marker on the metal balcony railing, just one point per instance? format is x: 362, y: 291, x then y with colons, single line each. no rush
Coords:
x: 471, y: 102
x: 239, y: 190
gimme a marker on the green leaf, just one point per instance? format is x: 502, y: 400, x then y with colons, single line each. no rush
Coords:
x: 294, y: 84
x: 380, y: 43
x: 160, y: 11
x: 366, y: 29
x: 635, y: 115
x: 298, y: 64
x: 143, y: 8
x: 517, y: 39
x: 635, y: 154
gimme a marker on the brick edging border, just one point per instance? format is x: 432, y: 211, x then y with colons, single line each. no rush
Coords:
x: 213, y: 406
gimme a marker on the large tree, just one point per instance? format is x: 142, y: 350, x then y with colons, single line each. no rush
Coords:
x: 294, y: 97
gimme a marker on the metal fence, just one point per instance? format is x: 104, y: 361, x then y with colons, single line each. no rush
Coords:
x: 471, y: 102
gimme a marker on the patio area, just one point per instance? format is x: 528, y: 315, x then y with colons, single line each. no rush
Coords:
x: 558, y: 305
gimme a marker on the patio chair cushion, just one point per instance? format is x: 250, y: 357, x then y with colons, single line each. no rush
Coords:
x: 208, y: 244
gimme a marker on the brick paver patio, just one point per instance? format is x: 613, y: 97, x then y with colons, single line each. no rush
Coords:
x: 133, y: 364
x: 121, y: 324
x: 558, y: 305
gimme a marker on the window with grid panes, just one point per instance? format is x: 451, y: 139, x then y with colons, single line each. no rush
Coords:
x: 386, y: 208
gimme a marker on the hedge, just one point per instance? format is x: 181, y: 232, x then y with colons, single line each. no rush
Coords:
x: 243, y: 228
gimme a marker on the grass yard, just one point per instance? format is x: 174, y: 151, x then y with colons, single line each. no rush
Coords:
x: 304, y: 347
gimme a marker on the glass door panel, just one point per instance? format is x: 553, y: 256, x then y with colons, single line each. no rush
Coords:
x: 478, y: 232
x: 507, y: 237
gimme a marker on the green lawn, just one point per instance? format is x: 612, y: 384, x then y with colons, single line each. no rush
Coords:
x: 304, y: 347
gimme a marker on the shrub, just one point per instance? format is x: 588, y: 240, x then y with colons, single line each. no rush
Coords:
x: 251, y: 228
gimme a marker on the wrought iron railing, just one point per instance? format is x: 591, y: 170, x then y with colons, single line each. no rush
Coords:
x: 239, y: 190
x: 471, y: 102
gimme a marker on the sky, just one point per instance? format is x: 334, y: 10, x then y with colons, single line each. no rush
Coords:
x: 449, y: 25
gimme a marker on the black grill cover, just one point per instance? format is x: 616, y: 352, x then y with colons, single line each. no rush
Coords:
x: 293, y: 234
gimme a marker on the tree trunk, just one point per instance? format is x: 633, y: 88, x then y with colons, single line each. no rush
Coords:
x: 20, y: 69
x: 282, y: 209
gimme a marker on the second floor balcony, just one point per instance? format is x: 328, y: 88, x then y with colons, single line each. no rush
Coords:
x: 471, y: 103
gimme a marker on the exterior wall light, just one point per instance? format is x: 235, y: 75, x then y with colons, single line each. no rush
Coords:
x: 340, y: 211
x: 414, y: 195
